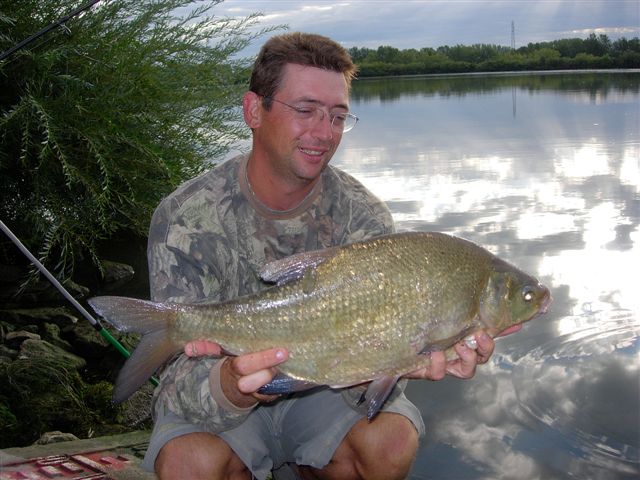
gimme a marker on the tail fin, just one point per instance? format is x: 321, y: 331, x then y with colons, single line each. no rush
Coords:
x: 153, y: 321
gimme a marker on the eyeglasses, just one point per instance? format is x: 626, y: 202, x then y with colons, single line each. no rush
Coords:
x: 310, y: 115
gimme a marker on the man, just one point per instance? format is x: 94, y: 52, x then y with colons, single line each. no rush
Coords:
x: 207, y: 242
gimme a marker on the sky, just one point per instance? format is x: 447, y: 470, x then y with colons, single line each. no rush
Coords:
x: 418, y: 23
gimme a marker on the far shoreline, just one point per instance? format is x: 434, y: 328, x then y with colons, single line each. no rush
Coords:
x: 509, y: 73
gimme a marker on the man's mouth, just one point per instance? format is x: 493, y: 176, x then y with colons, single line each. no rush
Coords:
x: 312, y: 151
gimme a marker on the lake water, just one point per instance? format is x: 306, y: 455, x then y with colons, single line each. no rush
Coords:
x: 543, y: 170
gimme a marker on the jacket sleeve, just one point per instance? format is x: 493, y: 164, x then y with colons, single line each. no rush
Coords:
x: 189, y: 388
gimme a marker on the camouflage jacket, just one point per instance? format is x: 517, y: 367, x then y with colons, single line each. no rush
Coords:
x: 209, y: 239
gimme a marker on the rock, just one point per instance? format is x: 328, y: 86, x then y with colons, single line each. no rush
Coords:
x: 51, y: 333
x: 55, y: 368
x: 55, y: 437
x: 5, y: 327
x: 86, y: 340
x: 115, y: 272
x: 8, y: 353
x: 40, y: 292
x: 15, y: 339
x: 42, y: 351
x: 61, y: 316
x: 43, y: 389
x: 21, y: 335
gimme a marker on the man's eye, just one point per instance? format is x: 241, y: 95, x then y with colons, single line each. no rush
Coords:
x: 305, y: 111
x: 339, y: 118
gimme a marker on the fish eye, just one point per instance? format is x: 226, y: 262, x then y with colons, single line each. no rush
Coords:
x: 528, y: 293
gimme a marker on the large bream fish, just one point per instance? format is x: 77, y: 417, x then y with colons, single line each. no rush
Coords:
x: 347, y: 315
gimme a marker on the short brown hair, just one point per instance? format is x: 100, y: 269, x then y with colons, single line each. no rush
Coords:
x: 300, y: 48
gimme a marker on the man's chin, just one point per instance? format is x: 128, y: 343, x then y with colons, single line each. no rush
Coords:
x: 310, y: 169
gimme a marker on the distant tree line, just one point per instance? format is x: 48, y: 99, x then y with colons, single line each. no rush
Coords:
x: 596, y: 51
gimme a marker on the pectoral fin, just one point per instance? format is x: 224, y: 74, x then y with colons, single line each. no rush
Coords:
x: 378, y: 391
x: 294, y: 267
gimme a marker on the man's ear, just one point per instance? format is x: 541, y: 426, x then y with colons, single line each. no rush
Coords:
x: 252, y: 109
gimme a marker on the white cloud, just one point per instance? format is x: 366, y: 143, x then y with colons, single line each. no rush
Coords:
x: 417, y: 24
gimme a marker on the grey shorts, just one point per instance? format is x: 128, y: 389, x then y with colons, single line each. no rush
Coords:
x: 305, y: 429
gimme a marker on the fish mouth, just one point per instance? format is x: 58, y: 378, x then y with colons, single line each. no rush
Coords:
x: 509, y: 330
x: 546, y: 302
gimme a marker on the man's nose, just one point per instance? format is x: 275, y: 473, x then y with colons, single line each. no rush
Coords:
x: 322, y: 127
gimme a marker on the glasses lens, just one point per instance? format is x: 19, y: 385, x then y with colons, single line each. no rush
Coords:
x: 350, y: 121
x: 339, y: 123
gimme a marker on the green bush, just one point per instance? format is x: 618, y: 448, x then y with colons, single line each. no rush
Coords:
x: 102, y: 117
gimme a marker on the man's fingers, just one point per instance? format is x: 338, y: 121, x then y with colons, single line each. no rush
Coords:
x: 465, y: 365
x: 254, y: 362
x: 470, y: 358
x: 198, y: 348
x: 438, y: 367
x: 257, y: 369
x: 436, y: 370
x: 251, y: 383
x: 470, y: 351
x: 486, y: 345
x: 242, y: 377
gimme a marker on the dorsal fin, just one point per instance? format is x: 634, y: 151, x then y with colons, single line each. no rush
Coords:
x: 294, y: 267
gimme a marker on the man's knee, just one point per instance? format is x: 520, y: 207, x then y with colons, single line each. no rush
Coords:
x: 392, y: 449
x: 384, y: 448
x: 199, y: 456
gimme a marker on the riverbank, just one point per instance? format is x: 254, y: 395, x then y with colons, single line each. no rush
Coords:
x: 56, y: 369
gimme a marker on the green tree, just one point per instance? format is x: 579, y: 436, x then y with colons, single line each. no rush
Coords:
x: 358, y: 54
x: 102, y: 117
x: 475, y: 53
x: 387, y: 54
x: 597, y: 45
x: 569, y: 47
x: 621, y: 45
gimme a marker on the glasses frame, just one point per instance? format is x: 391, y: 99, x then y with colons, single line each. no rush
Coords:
x: 332, y: 116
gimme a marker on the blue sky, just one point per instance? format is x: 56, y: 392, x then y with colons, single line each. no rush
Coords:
x: 419, y: 23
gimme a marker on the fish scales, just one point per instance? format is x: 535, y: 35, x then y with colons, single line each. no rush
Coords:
x: 351, y: 314
x: 341, y: 318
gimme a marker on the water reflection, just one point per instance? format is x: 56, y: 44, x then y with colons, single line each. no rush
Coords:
x: 553, y: 186
x: 597, y: 413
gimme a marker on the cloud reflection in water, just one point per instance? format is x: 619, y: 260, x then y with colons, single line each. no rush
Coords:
x: 545, y: 172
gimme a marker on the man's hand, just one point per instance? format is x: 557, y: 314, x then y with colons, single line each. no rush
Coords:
x: 241, y: 377
x: 462, y: 367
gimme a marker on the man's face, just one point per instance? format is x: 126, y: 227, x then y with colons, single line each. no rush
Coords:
x: 298, y: 149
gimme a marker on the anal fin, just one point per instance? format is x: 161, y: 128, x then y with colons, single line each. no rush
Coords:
x: 378, y: 391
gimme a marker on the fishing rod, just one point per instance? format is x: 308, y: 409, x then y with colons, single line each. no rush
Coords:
x: 95, y: 323
x: 46, y: 29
